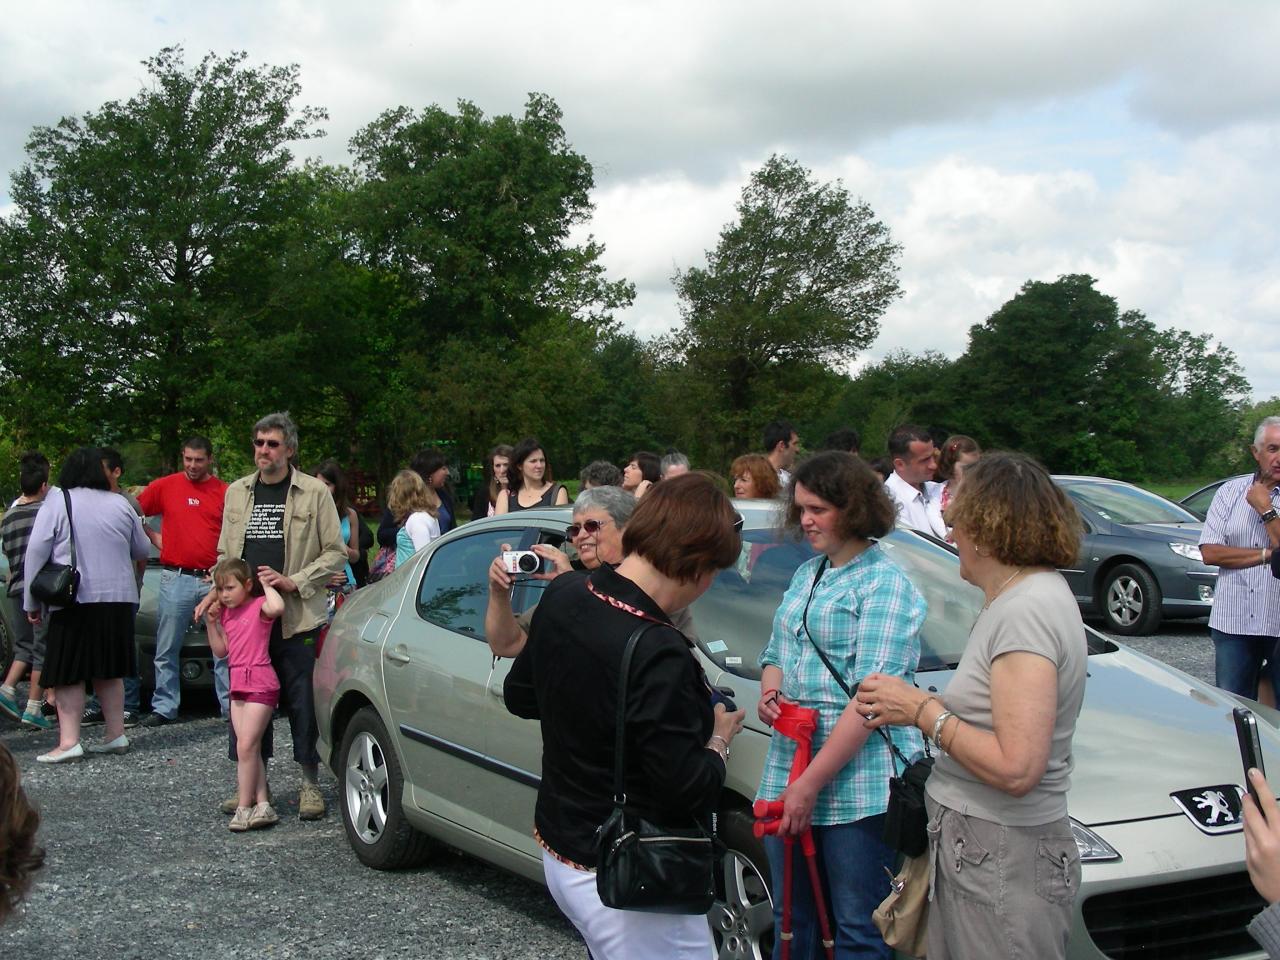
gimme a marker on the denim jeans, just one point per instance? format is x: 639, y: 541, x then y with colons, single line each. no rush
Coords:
x: 852, y: 859
x: 179, y: 595
x: 1237, y: 662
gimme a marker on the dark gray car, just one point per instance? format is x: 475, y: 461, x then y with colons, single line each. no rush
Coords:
x: 1140, y: 558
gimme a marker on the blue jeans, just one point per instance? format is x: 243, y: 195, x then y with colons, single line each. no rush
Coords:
x: 179, y: 595
x: 1237, y: 662
x: 852, y: 859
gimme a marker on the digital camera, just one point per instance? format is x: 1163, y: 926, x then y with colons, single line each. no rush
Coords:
x: 521, y: 561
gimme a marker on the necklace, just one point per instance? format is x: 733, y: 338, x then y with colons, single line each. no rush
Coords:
x: 1000, y: 589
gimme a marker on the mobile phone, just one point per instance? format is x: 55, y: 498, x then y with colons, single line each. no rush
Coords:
x: 1250, y: 747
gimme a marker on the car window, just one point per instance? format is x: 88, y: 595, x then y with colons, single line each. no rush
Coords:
x: 455, y: 588
x: 734, y: 617
x: 1198, y: 503
x: 1121, y: 503
x: 526, y: 593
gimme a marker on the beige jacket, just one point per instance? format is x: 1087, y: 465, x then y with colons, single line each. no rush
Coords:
x: 313, y: 547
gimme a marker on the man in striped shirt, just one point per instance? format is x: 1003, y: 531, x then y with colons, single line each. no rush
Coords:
x: 28, y: 648
x: 1240, y: 531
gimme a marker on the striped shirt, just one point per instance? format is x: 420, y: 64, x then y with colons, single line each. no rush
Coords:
x: 866, y: 615
x: 15, y: 532
x: 1245, y: 601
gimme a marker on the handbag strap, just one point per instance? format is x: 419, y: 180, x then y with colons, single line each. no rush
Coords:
x: 848, y: 691
x: 619, y: 734
x: 71, y: 527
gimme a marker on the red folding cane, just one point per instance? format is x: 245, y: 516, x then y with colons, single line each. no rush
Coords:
x: 798, y: 724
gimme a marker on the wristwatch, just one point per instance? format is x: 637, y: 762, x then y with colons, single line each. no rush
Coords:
x: 1269, y: 515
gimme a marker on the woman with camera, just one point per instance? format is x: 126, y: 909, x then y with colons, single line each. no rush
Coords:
x: 854, y: 607
x: 680, y: 535
x: 1006, y: 865
x: 529, y: 481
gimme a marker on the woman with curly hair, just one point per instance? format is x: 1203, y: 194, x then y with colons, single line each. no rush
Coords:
x: 19, y: 855
x: 997, y: 797
x: 416, y: 508
x: 754, y: 478
x: 854, y: 607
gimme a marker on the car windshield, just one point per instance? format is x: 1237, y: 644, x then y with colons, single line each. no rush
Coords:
x: 1123, y: 503
x: 734, y: 618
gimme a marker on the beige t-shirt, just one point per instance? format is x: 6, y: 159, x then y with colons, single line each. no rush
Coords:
x: 1039, y: 615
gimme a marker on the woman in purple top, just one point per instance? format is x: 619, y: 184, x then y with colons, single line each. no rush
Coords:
x: 92, y: 640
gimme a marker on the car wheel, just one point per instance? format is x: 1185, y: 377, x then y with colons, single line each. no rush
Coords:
x: 1131, y: 600
x: 742, y: 917
x: 369, y: 792
x: 6, y: 646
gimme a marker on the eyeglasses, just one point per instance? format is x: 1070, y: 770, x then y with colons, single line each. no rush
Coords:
x: 590, y: 526
x: 263, y: 442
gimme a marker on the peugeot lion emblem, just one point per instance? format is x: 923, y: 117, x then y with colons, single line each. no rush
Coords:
x: 1215, y: 809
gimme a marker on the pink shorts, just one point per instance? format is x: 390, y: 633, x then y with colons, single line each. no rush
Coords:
x: 271, y: 698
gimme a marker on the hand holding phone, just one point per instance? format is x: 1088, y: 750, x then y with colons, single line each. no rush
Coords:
x: 1250, y: 747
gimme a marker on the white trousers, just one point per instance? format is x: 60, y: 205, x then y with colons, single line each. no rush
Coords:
x: 624, y: 934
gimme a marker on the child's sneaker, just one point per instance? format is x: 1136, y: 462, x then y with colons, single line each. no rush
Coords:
x: 36, y: 720
x: 262, y: 815
x: 9, y: 705
x: 240, y: 821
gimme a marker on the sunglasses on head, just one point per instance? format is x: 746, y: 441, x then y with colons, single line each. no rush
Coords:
x: 264, y: 442
x: 590, y: 526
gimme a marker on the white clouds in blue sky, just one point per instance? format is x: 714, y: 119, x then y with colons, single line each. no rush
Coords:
x: 1001, y: 142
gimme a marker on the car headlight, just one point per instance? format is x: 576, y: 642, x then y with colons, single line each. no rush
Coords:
x: 1189, y: 550
x: 1091, y: 846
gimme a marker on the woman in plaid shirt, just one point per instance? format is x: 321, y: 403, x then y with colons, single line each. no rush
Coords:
x: 855, y: 604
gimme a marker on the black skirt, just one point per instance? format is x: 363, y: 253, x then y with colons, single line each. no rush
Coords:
x: 89, y: 641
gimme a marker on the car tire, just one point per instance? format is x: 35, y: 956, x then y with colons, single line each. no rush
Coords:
x: 370, y: 784
x: 6, y: 647
x: 1130, y: 601
x: 741, y: 919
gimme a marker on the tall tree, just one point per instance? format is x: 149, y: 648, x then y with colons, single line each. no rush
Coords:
x: 798, y: 281
x: 127, y: 246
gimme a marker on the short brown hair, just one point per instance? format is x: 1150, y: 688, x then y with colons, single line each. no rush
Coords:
x: 409, y: 494
x: 763, y: 475
x: 957, y: 446
x: 846, y: 482
x: 1009, y: 504
x: 19, y: 855
x: 684, y: 527
x: 231, y: 567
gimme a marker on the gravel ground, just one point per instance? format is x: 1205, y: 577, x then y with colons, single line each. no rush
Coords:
x: 141, y: 866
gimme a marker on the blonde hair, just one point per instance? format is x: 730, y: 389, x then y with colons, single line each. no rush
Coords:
x: 231, y: 567
x: 409, y: 494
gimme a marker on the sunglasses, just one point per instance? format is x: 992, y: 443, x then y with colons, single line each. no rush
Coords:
x: 263, y: 442
x: 590, y: 526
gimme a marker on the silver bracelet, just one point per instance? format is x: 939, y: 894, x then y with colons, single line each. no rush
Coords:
x: 724, y: 752
x: 943, y: 717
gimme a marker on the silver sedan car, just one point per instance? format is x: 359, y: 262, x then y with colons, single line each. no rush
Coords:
x: 409, y: 703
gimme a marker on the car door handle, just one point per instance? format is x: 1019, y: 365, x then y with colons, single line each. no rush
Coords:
x: 399, y: 654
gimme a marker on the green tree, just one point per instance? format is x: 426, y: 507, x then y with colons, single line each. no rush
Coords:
x: 128, y: 249
x: 797, y: 283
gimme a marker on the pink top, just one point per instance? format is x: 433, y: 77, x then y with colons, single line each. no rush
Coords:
x: 248, y: 636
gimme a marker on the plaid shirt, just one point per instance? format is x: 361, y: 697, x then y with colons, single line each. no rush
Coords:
x: 866, y: 616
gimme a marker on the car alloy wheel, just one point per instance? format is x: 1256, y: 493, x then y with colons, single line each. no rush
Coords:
x: 366, y: 786
x: 1131, y: 600
x: 742, y: 917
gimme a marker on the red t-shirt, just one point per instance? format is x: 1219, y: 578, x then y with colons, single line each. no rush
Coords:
x: 192, y: 518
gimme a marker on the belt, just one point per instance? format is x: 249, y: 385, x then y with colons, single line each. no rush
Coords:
x: 186, y: 571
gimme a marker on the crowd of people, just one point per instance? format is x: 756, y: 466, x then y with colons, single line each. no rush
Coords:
x: 261, y: 560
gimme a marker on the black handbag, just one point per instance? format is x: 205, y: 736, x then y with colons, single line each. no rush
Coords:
x: 56, y: 583
x: 905, y: 819
x: 641, y: 865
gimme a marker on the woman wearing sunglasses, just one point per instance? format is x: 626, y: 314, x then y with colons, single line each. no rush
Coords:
x: 854, y: 607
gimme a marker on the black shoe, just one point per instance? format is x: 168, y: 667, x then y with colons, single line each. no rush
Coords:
x: 132, y: 718
x: 48, y: 709
x: 157, y: 720
x: 91, y: 716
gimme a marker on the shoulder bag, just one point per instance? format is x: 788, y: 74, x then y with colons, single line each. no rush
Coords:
x: 903, y: 916
x: 905, y: 817
x: 641, y: 865
x: 56, y: 583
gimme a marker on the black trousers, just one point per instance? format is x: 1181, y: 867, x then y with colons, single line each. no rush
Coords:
x: 294, y: 660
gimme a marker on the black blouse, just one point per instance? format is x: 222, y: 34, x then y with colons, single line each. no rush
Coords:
x: 567, y: 677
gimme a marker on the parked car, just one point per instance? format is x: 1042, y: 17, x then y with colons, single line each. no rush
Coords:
x: 195, y: 660
x: 1198, y: 502
x: 1139, y: 559
x: 412, y: 722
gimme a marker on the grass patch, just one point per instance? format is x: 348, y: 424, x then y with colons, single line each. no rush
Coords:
x: 1175, y: 490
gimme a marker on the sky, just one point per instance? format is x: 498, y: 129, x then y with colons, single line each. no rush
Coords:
x: 1000, y: 142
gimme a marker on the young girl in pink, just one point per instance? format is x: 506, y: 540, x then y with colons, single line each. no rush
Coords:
x: 239, y: 627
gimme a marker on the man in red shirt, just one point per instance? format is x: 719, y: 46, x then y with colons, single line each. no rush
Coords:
x: 189, y: 504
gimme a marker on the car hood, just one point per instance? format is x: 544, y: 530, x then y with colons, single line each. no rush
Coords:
x: 1147, y: 730
x: 1172, y: 532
